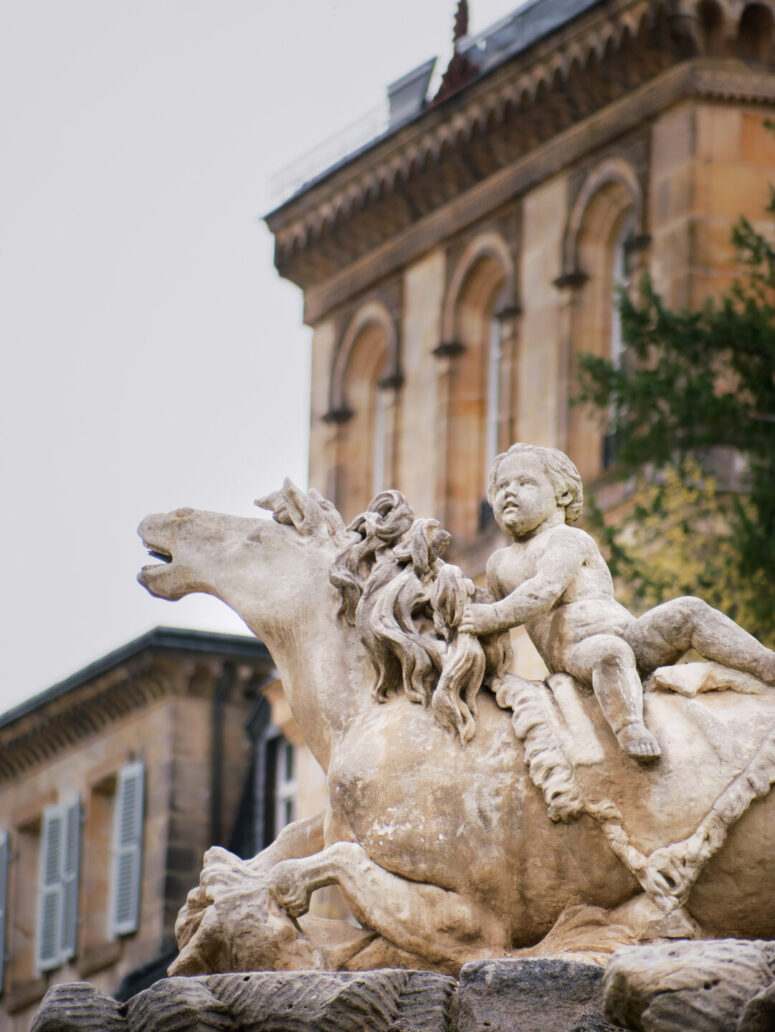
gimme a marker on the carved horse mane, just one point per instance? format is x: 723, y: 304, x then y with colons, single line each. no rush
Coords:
x: 404, y: 601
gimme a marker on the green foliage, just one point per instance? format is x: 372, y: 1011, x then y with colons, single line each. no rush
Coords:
x: 692, y: 383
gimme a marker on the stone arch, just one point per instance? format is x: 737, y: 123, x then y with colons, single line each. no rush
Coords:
x: 489, y: 244
x: 711, y: 27
x: 614, y: 176
x: 755, y: 33
x: 365, y: 384
x: 604, y: 236
x: 373, y: 313
x: 475, y: 378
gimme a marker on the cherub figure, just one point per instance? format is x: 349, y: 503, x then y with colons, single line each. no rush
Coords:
x: 554, y: 581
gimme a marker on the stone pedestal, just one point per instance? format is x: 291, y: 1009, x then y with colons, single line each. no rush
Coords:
x: 717, y: 986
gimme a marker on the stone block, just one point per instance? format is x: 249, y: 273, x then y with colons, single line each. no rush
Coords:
x: 703, y: 986
x: 759, y: 1012
x: 758, y: 144
x: 266, y: 1001
x: 530, y: 996
x: 672, y: 140
x: 78, y: 1007
x: 718, y: 133
x: 324, y: 1001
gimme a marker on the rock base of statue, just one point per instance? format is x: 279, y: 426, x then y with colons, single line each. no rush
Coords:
x: 711, y: 986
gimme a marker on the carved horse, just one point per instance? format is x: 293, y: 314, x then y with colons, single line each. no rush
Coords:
x: 446, y: 852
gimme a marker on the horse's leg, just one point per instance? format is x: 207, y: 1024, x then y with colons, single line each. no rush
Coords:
x: 300, y: 838
x: 434, y: 923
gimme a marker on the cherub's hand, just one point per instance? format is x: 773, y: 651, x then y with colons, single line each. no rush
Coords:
x: 479, y: 619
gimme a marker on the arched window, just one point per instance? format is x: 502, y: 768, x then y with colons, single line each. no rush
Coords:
x: 755, y: 33
x: 604, y: 231
x: 364, y: 390
x: 361, y: 458
x: 621, y: 254
x: 477, y: 405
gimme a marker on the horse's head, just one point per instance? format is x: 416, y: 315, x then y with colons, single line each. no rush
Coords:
x: 264, y: 569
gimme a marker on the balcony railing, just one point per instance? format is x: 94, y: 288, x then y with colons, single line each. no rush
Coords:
x: 289, y: 180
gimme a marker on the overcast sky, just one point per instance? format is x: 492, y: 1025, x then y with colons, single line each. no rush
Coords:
x: 152, y: 358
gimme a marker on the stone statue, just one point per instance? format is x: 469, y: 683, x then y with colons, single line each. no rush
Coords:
x: 554, y: 580
x: 526, y: 831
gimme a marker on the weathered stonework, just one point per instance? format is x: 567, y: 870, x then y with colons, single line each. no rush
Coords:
x: 527, y: 831
x: 722, y: 986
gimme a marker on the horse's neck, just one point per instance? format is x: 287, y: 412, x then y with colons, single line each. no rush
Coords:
x: 325, y: 674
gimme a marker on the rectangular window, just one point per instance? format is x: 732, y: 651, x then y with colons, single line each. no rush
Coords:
x: 279, y: 786
x: 126, y: 851
x: 57, y: 921
x: 285, y: 806
x: 5, y: 850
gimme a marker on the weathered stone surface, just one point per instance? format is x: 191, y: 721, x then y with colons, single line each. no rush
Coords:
x: 426, y: 829
x: 174, y: 1004
x: 299, y: 1001
x: 697, y: 986
x: 78, y: 1007
x: 372, y: 1001
x: 530, y: 995
x: 759, y: 1012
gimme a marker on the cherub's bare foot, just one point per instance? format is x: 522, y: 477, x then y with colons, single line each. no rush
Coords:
x: 638, y: 742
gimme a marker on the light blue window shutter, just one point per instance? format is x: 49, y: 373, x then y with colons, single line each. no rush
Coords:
x: 127, y: 850
x: 48, y: 929
x: 5, y: 850
x: 68, y: 928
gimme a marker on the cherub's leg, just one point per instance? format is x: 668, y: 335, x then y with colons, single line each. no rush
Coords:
x: 436, y: 924
x: 608, y: 664
x: 662, y: 635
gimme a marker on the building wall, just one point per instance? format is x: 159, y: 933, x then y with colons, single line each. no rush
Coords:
x: 183, y: 717
x: 703, y: 164
x: 627, y: 140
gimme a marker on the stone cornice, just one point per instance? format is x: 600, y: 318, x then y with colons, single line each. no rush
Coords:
x: 716, y: 79
x: 588, y: 65
x: 83, y: 708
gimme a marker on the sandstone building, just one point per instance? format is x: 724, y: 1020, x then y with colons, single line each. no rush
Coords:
x: 112, y: 785
x: 455, y: 266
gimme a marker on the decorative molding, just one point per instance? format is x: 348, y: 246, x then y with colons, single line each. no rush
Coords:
x: 573, y: 279
x: 497, y: 120
x: 383, y: 311
x: 338, y: 416
x: 491, y: 242
x: 582, y: 68
x: 638, y: 243
x: 393, y: 381
x: 508, y: 312
x: 86, y: 709
x: 536, y: 165
x: 449, y: 349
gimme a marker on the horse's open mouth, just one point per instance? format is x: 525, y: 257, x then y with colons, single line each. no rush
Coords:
x: 157, y: 552
x: 163, y: 557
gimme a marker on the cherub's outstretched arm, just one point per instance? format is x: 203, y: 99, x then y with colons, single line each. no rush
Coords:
x: 532, y: 597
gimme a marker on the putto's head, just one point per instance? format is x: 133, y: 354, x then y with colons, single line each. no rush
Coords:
x: 524, y: 463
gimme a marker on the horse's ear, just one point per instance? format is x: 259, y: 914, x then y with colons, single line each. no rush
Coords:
x: 308, y: 511
x: 304, y: 510
x: 296, y: 508
x: 274, y: 503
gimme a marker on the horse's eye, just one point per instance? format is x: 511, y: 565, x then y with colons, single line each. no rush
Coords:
x: 186, y: 511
